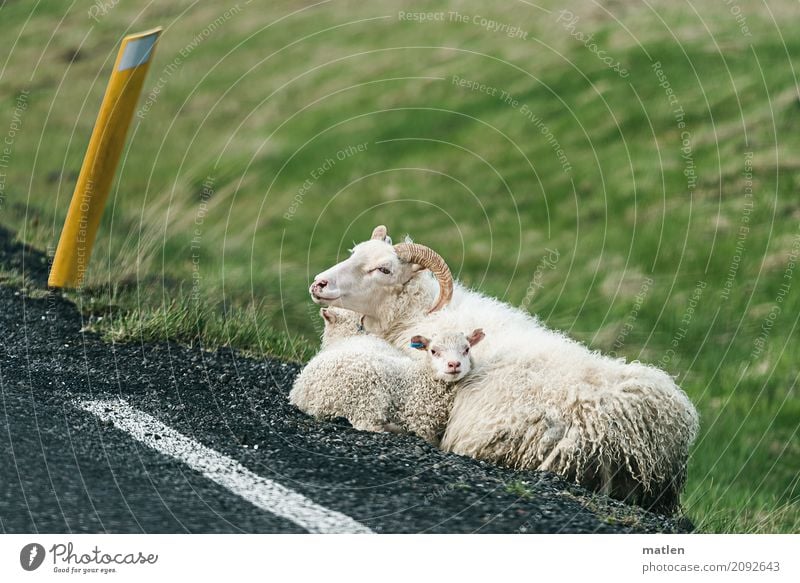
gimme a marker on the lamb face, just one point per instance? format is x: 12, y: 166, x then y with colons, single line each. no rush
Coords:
x: 339, y: 325
x: 448, y: 353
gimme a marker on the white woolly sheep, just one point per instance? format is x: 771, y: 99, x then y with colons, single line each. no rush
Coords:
x: 377, y: 388
x: 352, y: 376
x: 544, y: 401
x: 427, y: 397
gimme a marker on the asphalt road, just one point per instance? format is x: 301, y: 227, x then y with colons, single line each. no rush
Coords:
x: 70, y: 464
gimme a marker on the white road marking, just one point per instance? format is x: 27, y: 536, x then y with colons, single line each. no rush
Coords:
x: 225, y: 471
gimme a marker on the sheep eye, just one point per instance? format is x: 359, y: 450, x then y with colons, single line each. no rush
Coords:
x: 466, y: 350
x: 384, y: 270
x: 434, y: 352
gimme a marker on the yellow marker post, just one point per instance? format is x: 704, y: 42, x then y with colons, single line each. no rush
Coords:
x: 102, y: 156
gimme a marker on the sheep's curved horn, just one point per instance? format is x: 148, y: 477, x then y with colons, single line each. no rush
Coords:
x: 429, y: 259
x: 379, y: 233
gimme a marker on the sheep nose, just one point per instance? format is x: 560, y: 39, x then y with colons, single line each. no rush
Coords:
x: 319, y: 285
x: 453, y: 365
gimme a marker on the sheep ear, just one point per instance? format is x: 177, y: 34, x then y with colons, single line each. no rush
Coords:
x: 380, y: 233
x: 420, y: 343
x: 476, y: 336
x: 327, y: 315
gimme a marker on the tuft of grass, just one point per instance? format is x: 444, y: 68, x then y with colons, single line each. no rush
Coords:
x: 182, y: 320
x: 13, y: 278
x: 760, y: 516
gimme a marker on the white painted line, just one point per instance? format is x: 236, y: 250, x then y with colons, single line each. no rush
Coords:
x: 225, y: 471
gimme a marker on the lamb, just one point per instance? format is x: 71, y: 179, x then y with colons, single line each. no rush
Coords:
x: 377, y: 388
x: 427, y: 400
x: 352, y: 376
x: 543, y: 400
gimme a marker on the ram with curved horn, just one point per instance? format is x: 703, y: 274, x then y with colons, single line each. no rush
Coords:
x: 544, y: 401
x: 378, y: 271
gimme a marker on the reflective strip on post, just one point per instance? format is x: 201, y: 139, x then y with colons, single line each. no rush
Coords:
x: 102, y: 157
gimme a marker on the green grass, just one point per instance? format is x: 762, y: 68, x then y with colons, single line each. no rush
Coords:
x: 183, y: 321
x: 254, y: 109
x: 520, y: 489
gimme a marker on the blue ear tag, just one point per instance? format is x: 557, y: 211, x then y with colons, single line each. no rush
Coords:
x: 417, y: 345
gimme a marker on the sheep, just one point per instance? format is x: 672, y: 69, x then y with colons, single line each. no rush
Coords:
x: 352, y: 376
x: 368, y: 381
x: 543, y: 401
x: 427, y: 398
x: 613, y: 427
